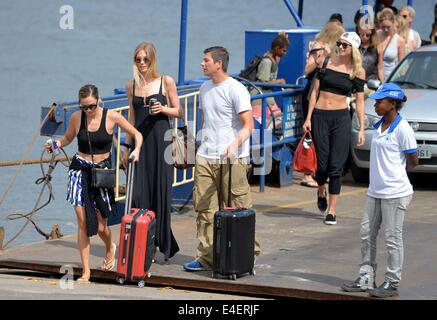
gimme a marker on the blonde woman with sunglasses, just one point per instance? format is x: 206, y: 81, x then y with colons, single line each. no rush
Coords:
x: 329, y: 118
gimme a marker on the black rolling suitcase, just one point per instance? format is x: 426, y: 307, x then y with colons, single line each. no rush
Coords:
x: 234, y: 238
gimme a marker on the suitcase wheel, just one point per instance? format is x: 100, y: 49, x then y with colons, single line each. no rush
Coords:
x: 252, y: 272
x: 141, y: 284
x: 233, y: 277
x: 119, y: 280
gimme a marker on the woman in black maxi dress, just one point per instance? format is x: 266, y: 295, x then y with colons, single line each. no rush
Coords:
x: 153, y: 176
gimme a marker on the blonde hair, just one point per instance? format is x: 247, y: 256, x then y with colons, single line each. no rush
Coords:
x: 330, y: 34
x: 402, y: 27
x: 411, y: 11
x: 152, y: 70
x: 386, y: 14
x: 357, y: 61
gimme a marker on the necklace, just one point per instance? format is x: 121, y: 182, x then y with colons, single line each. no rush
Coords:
x: 363, y: 50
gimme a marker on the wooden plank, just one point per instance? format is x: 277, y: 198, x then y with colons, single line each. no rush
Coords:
x: 233, y: 287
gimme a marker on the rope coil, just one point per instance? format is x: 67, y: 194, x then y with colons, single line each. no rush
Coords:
x: 45, y: 180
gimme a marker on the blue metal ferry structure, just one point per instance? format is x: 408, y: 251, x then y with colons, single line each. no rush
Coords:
x: 265, y: 144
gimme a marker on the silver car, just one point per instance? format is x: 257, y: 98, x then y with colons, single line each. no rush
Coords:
x: 416, y: 74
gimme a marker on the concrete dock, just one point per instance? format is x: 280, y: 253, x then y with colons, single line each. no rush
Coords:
x: 301, y: 256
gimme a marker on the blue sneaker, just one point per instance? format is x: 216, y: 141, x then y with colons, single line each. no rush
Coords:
x: 194, y: 265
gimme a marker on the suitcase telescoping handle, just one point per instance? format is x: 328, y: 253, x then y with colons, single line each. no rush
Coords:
x: 221, y: 187
x: 129, y: 183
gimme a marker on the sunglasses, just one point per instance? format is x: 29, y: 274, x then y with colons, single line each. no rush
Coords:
x: 139, y: 60
x: 344, y: 45
x: 368, y: 35
x: 88, y: 107
x: 315, y: 50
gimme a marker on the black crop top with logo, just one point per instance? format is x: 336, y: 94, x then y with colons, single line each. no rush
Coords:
x: 339, y: 82
x: 101, y: 140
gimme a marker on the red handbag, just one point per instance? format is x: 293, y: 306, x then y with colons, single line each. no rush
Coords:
x: 305, y: 158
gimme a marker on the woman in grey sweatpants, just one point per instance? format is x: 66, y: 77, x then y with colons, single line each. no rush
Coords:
x: 390, y: 192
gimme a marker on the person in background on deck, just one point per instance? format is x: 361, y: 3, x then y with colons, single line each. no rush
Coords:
x: 391, y: 46
x: 329, y: 118
x: 227, y: 124
x: 93, y: 205
x: 153, y: 177
x: 413, y: 39
x: 267, y: 71
x: 390, y: 192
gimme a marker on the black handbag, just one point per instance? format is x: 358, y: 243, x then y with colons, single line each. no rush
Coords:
x: 100, y: 177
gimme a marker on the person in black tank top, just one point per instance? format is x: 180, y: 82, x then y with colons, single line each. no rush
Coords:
x: 329, y: 118
x: 93, y: 205
x: 153, y: 178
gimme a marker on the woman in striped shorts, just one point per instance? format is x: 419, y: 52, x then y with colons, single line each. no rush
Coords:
x: 93, y: 126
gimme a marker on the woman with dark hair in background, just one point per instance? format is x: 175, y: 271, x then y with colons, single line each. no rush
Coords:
x: 433, y: 35
x: 369, y: 55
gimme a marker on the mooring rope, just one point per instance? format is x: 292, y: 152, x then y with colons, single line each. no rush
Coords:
x: 46, y: 179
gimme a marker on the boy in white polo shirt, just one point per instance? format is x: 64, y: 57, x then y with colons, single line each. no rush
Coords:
x: 390, y: 192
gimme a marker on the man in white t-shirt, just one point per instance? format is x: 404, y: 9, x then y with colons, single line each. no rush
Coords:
x: 227, y: 124
x: 390, y: 192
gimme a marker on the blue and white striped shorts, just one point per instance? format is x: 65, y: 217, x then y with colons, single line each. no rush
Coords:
x: 74, y: 188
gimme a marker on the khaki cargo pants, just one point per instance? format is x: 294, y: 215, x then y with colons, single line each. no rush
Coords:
x: 206, y: 184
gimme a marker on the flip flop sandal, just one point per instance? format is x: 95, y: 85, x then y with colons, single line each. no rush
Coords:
x: 108, y: 265
x: 309, y: 184
x: 83, y: 280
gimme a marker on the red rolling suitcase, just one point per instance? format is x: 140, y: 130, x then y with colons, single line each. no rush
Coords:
x: 137, y: 239
x: 234, y: 238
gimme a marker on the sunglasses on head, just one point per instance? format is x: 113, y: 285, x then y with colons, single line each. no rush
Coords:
x: 344, y: 45
x: 139, y: 60
x: 315, y: 50
x: 88, y: 107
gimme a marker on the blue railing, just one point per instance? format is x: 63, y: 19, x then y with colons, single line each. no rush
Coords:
x: 295, y: 92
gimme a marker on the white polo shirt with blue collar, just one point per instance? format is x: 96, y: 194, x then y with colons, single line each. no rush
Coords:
x: 388, y: 175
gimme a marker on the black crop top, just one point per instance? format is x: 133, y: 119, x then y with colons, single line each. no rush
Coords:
x: 101, y: 140
x: 339, y: 82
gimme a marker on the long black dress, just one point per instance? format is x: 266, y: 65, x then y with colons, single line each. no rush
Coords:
x: 153, y: 176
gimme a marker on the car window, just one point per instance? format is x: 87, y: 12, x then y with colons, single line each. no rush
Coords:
x: 418, y: 70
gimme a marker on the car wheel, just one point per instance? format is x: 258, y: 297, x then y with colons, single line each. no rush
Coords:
x: 359, y: 174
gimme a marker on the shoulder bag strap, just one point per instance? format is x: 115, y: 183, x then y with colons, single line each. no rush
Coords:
x: 89, y: 140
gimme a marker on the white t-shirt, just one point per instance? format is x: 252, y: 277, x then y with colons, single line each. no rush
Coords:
x: 221, y: 103
x: 388, y: 174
